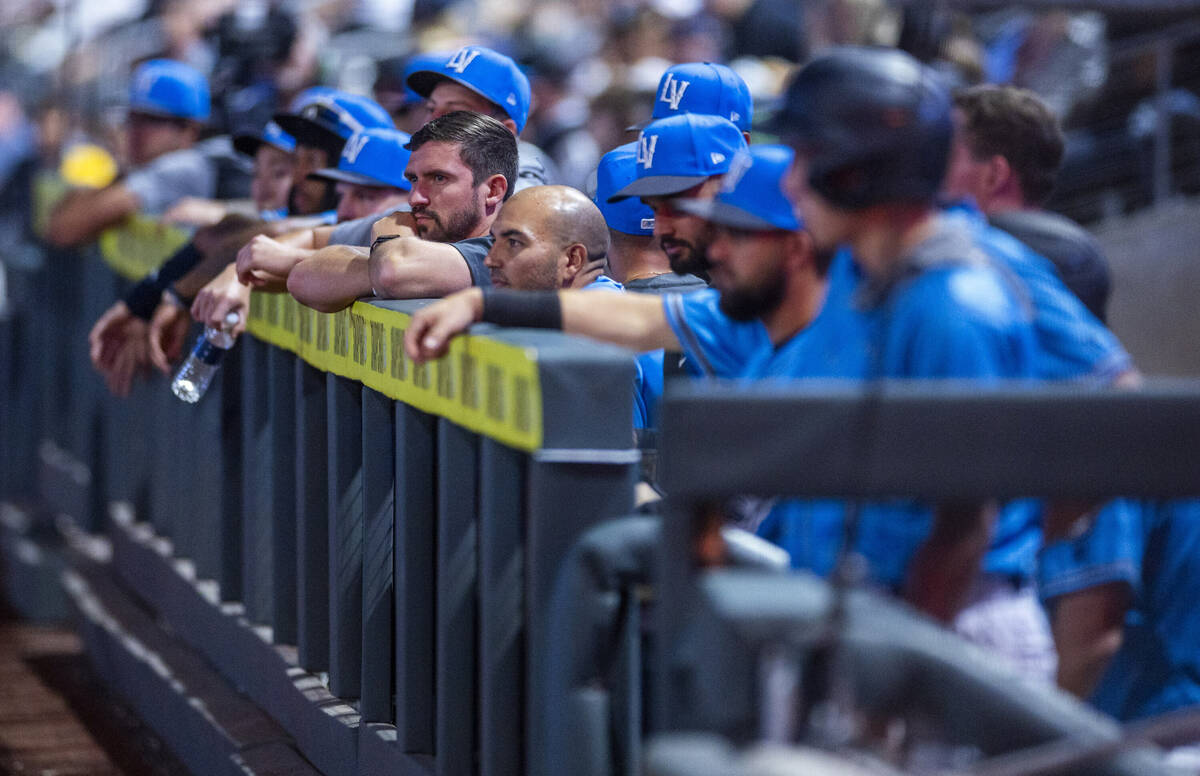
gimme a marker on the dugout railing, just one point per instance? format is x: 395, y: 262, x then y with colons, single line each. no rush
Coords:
x: 744, y: 658
x: 365, y: 547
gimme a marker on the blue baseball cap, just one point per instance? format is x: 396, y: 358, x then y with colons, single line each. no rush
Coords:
x: 164, y: 87
x: 617, y: 169
x: 330, y: 119
x: 676, y: 153
x: 272, y: 134
x: 706, y: 88
x: 751, y: 195
x: 311, y: 95
x: 373, y: 157
x: 484, y: 71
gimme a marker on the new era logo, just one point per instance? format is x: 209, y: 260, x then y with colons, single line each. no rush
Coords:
x: 672, y: 91
x: 461, y: 59
x: 716, y: 157
x: 648, y: 223
x: 645, y: 150
x: 354, y: 147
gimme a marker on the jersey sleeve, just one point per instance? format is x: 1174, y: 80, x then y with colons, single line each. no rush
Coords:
x: 1072, y: 342
x: 712, y: 342
x: 1110, y: 550
x: 474, y: 251
x: 169, y: 178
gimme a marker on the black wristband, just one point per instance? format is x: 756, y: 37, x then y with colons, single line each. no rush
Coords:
x: 144, y: 297
x: 179, y: 264
x: 531, y: 309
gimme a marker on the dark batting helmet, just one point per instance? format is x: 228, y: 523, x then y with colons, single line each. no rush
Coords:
x: 873, y: 123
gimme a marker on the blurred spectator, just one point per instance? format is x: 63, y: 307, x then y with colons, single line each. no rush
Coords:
x: 168, y: 103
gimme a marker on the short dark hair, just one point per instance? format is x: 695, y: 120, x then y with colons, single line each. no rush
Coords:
x: 485, y: 145
x: 1018, y: 125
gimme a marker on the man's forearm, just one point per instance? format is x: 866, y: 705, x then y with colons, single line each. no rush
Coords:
x: 332, y: 278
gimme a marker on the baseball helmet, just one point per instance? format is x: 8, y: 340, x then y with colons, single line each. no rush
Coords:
x: 874, y: 124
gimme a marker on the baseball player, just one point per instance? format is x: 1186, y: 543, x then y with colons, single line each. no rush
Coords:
x: 1007, y: 151
x: 459, y: 171
x: 677, y: 157
x: 485, y: 81
x: 706, y: 88
x: 634, y: 257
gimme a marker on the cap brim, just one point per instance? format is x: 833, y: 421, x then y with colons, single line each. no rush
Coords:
x: 724, y: 214
x: 334, y: 174
x: 248, y: 144
x: 423, y: 82
x: 657, y: 186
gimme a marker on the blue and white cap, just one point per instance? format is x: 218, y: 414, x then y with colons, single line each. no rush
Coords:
x: 706, y: 88
x: 164, y: 87
x: 332, y: 118
x: 484, y: 71
x: 617, y: 169
x: 676, y: 153
x: 752, y: 195
x: 373, y: 157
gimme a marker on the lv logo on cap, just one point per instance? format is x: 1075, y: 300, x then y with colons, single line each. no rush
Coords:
x: 354, y: 147
x: 672, y: 91
x: 645, y: 151
x: 462, y: 58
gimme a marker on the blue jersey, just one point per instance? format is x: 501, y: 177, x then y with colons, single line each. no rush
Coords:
x: 1153, y: 549
x: 648, y: 382
x: 833, y: 345
x: 949, y: 314
x: 1072, y: 343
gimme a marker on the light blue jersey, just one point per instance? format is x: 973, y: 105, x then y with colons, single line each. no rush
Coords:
x: 1152, y: 548
x: 946, y: 314
x: 1072, y: 343
x: 648, y: 383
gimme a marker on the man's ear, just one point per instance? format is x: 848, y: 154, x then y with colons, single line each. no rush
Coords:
x: 800, y: 247
x: 497, y: 187
x: 999, y: 174
x: 512, y: 126
x: 575, y: 260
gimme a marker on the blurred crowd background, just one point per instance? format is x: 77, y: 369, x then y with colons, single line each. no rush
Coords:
x: 64, y: 67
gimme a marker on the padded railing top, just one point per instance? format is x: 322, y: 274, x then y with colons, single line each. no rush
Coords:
x: 930, y: 439
x: 528, y: 389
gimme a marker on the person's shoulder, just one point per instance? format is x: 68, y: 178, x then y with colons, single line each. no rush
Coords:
x: 962, y: 294
x: 666, y: 283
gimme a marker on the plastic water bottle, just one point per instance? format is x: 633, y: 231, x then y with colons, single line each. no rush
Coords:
x: 197, y: 372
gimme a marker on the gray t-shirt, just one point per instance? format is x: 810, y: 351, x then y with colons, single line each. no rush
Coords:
x: 474, y: 251
x: 666, y: 284
x: 171, y: 177
x: 358, y: 231
x: 534, y: 167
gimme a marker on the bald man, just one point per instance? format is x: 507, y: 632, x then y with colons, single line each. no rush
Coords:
x: 548, y: 238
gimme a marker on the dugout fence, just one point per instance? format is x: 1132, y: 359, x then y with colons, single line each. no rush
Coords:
x: 363, y: 546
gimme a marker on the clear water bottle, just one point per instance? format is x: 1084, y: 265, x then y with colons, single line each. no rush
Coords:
x: 197, y: 371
